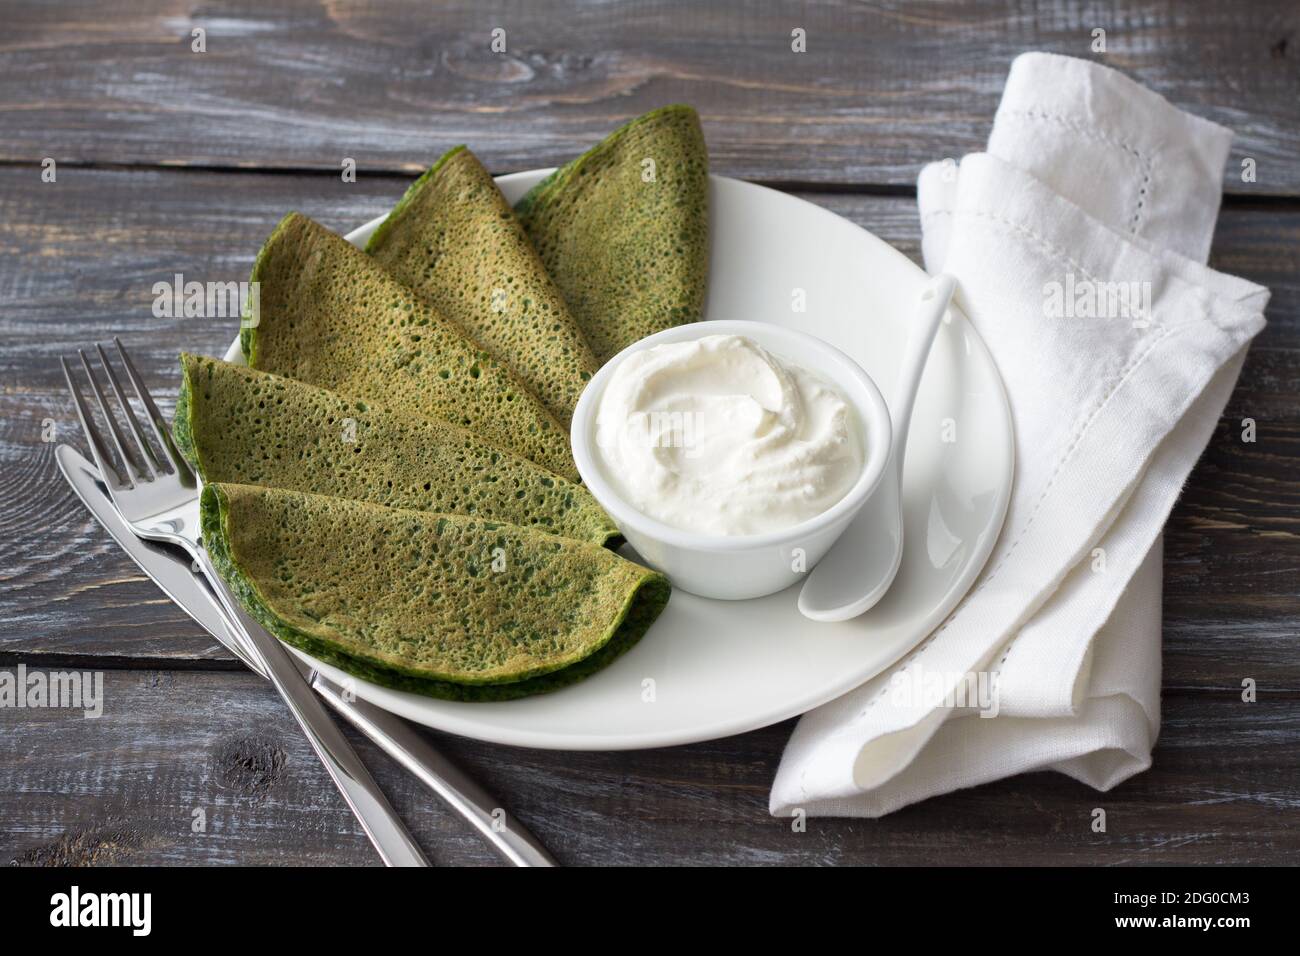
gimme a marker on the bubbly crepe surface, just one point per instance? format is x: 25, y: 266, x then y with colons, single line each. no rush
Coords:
x: 624, y: 229
x: 239, y: 425
x: 455, y: 240
x: 446, y: 605
x: 330, y: 315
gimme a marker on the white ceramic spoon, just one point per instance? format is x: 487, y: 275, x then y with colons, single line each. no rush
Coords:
x: 858, y: 570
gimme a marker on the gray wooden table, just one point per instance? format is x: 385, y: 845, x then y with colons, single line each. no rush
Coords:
x: 169, y: 160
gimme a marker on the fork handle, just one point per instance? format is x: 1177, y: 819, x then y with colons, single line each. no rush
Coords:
x: 373, y: 811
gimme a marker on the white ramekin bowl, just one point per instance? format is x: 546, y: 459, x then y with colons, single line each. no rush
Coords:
x: 734, y: 567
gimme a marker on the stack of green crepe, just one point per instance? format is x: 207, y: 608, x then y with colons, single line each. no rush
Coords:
x: 444, y: 605
x: 238, y: 425
x: 454, y: 239
x: 330, y: 315
x: 389, y: 486
x: 624, y: 229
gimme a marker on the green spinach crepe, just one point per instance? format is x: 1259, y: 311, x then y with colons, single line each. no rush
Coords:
x: 239, y: 425
x: 330, y: 315
x: 445, y: 605
x: 454, y: 239
x: 624, y: 229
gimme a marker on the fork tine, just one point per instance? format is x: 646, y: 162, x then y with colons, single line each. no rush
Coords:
x: 103, y: 460
x: 160, y: 429
x: 156, y: 467
x: 128, y: 458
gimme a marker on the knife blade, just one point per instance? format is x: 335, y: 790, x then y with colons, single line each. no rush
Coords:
x: 175, y: 576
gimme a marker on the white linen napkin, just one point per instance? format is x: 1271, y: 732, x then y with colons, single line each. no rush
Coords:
x: 1088, y: 178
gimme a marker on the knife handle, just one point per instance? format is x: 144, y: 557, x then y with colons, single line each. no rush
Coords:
x: 409, y: 748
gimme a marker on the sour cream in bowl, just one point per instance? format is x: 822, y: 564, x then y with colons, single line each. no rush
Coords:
x: 731, y: 454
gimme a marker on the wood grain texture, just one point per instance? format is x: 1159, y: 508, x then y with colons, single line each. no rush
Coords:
x: 100, y: 239
x: 123, y: 789
x: 882, y: 88
x: 159, y: 154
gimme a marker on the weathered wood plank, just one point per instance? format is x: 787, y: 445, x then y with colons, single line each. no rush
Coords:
x: 124, y: 789
x: 881, y: 89
x: 82, y: 255
x: 298, y: 86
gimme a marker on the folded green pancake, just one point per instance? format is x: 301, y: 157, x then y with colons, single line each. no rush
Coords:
x: 454, y: 239
x: 332, y: 316
x: 239, y: 425
x: 624, y: 229
x: 445, y: 605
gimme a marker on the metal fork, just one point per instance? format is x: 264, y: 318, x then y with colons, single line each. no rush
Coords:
x: 157, y: 494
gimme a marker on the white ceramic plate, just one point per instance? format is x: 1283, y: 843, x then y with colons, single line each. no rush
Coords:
x: 709, y: 669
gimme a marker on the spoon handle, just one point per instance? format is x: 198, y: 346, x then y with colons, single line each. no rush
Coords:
x: 920, y: 337
x: 861, y: 565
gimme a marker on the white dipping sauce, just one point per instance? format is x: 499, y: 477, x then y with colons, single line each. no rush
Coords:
x: 720, y: 437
